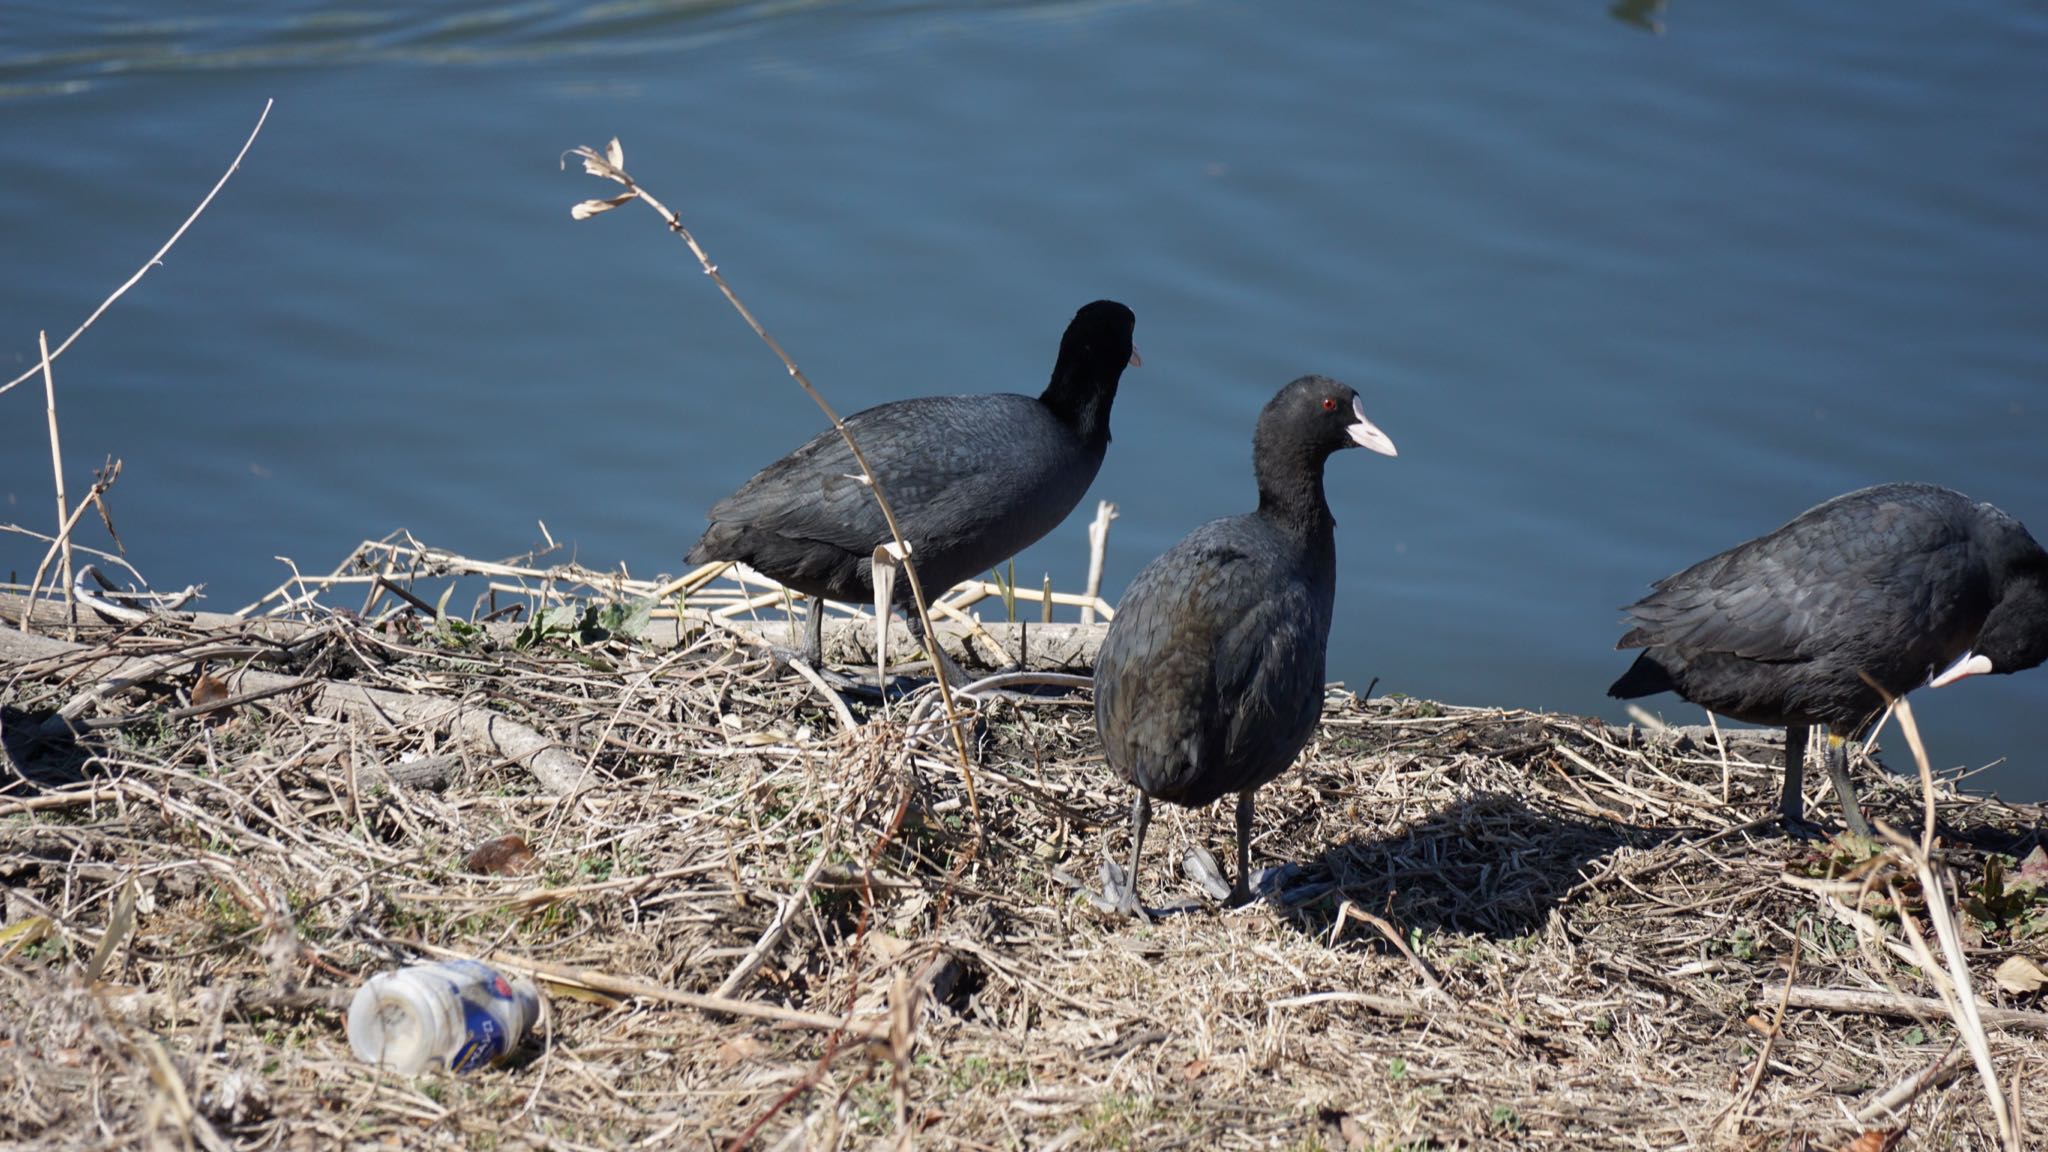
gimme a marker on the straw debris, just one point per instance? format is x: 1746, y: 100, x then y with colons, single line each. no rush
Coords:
x: 760, y: 926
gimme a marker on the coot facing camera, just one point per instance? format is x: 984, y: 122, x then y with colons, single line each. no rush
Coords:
x: 1210, y: 679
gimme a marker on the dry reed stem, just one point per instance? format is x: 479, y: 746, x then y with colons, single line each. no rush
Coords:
x: 57, y: 466
x: 154, y: 260
x: 611, y: 165
x: 1098, y: 550
x: 1958, y: 996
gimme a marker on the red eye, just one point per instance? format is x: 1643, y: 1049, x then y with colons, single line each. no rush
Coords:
x: 1329, y: 403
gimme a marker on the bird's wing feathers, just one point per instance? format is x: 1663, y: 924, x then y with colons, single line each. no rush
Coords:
x: 1778, y: 597
x: 816, y: 493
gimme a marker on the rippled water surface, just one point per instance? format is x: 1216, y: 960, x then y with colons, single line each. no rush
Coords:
x: 1626, y: 286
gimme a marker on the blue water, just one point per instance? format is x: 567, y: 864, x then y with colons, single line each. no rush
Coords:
x: 1622, y: 297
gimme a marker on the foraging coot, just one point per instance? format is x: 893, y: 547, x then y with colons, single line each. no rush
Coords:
x: 1210, y: 679
x: 973, y: 480
x: 1900, y: 583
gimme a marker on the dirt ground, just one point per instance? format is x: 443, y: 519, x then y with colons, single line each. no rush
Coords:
x: 760, y: 927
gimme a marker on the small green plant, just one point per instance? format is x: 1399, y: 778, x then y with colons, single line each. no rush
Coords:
x: 1741, y: 944
x: 1397, y: 1069
x: 873, y: 1106
x: 1996, y: 900
x: 1007, y: 586
x: 586, y: 624
x: 1116, y: 1120
x: 977, y: 1072
x: 1506, y: 1119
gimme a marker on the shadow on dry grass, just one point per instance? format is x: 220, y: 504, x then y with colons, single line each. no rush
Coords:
x: 1486, y: 864
x: 757, y: 926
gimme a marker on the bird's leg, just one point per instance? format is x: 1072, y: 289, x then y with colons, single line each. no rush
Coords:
x: 1845, y: 788
x: 811, y: 647
x: 955, y: 677
x: 1792, y: 802
x: 1241, y: 891
x: 814, y: 634
x: 1120, y: 888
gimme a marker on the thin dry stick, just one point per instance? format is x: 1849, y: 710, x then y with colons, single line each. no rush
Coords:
x: 1917, y: 1008
x: 1349, y: 910
x: 1738, y: 1110
x: 641, y: 989
x: 1904, y: 712
x: 153, y: 261
x: 612, y: 166
x: 1946, y: 928
x: 61, y: 543
x: 784, y: 915
x: 1727, y: 769
x: 1960, y: 999
x: 1098, y: 547
x: 839, y: 708
x: 1908, y: 1089
x: 57, y: 468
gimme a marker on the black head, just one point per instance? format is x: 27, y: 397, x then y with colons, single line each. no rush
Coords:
x: 1093, y: 355
x: 1309, y: 419
x: 1100, y: 335
x: 2015, y: 634
x: 1320, y: 415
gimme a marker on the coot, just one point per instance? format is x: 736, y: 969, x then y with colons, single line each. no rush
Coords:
x: 1900, y: 583
x: 973, y: 480
x: 1210, y: 679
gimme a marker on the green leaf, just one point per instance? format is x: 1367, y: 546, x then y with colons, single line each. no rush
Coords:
x: 638, y: 615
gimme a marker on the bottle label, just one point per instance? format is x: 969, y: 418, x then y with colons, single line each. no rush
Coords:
x: 483, y: 1042
x: 484, y: 1039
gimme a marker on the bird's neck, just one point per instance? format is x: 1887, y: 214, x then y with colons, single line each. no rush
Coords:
x: 1291, y: 496
x: 1081, y: 402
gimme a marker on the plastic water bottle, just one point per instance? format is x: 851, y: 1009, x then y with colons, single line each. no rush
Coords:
x: 458, y: 1014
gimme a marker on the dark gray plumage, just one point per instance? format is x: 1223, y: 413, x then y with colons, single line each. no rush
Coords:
x: 1210, y: 679
x: 973, y: 480
x: 1896, y: 582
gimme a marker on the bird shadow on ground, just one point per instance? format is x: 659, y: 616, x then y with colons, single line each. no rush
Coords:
x: 1488, y: 864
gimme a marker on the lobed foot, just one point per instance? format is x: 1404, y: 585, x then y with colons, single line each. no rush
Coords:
x: 1119, y: 894
x: 1268, y: 883
x: 1199, y: 865
x: 1803, y: 829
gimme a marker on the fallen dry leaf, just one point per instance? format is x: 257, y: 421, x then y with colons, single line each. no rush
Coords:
x: 500, y: 856
x: 1193, y: 1069
x: 22, y: 933
x: 2033, y: 869
x: 209, y: 689
x: 1876, y: 1140
x: 580, y: 993
x: 740, y: 1048
x: 2020, y: 975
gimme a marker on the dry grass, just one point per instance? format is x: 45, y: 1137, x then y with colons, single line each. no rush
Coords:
x: 190, y: 899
